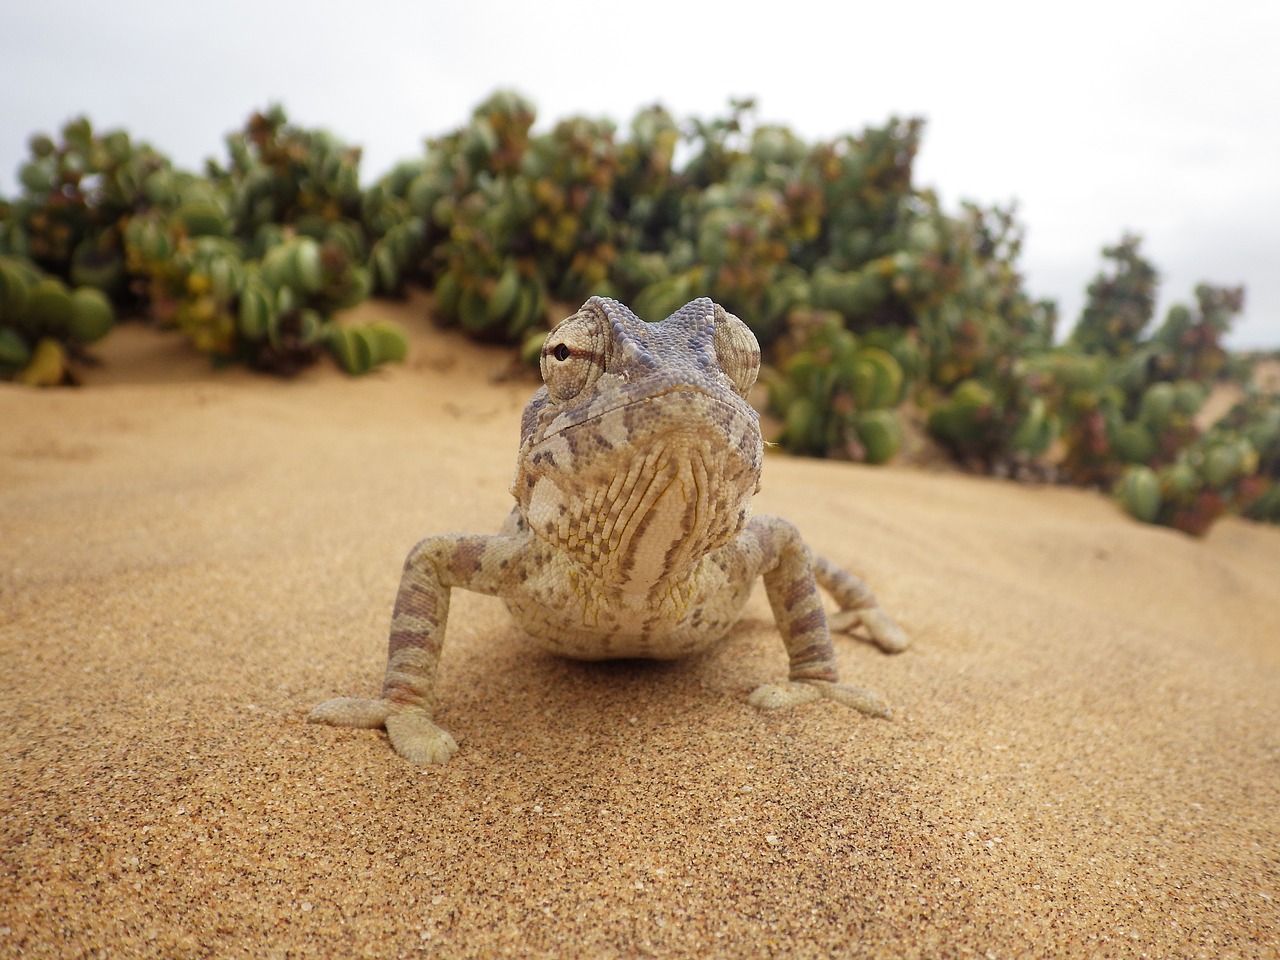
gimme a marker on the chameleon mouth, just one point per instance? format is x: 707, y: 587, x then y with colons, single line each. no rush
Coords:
x: 639, y: 397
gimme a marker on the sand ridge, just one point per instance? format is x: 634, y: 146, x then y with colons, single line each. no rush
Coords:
x: 1085, y: 758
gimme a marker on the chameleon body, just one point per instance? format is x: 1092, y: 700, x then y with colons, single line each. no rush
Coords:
x: 632, y: 534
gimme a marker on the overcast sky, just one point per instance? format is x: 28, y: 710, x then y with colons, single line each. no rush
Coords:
x: 1097, y: 117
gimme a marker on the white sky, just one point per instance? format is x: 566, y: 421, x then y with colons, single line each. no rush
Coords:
x: 1163, y: 118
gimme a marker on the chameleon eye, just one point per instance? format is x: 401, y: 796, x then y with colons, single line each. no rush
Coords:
x: 572, y: 357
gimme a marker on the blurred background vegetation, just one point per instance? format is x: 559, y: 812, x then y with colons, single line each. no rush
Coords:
x: 882, y: 315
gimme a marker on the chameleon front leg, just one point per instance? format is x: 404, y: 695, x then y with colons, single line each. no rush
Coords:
x: 772, y: 548
x: 405, y: 709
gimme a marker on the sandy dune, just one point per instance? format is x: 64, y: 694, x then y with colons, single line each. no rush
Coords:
x: 1085, y: 758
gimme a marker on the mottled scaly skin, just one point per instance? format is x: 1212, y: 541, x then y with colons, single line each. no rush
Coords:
x: 632, y: 534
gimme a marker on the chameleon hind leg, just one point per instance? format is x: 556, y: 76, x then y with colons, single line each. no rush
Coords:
x: 772, y: 548
x: 858, y: 607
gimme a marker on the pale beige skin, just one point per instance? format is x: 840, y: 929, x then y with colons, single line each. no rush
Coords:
x: 632, y: 534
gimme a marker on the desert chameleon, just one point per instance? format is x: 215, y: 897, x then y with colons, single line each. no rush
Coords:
x: 632, y: 534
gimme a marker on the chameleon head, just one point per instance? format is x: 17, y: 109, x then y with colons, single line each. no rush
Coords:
x: 640, y: 454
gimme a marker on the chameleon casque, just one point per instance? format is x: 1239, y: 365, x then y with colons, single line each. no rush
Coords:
x: 632, y: 534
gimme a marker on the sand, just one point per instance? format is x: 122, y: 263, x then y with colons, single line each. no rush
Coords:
x: 1084, y: 761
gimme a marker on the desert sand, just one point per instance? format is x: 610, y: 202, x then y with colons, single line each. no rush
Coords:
x: 1084, y: 759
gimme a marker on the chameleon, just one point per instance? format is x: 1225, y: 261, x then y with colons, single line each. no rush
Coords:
x: 632, y: 534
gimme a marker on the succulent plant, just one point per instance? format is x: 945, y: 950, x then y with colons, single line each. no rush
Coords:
x: 360, y: 348
x: 520, y: 218
x: 77, y: 192
x: 1235, y: 465
x: 861, y: 287
x: 398, y: 253
x: 44, y: 324
x: 1120, y: 303
x: 836, y: 398
x: 648, y: 191
x: 1111, y: 428
x: 287, y: 305
x: 1195, y: 490
x: 1141, y: 410
x: 1000, y: 425
x: 282, y: 174
x: 274, y: 312
x: 1139, y: 493
x: 1188, y: 345
x: 1254, y: 421
x: 504, y: 305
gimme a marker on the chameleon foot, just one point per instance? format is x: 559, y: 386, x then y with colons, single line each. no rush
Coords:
x: 417, y: 739
x: 885, y: 634
x: 412, y: 733
x: 779, y: 696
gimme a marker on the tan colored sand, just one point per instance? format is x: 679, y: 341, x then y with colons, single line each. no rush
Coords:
x: 1085, y: 759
